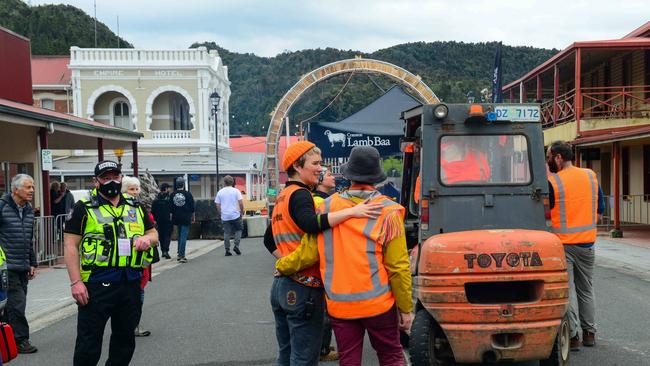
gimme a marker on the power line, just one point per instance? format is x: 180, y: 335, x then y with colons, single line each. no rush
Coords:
x: 332, y: 101
x: 373, y: 81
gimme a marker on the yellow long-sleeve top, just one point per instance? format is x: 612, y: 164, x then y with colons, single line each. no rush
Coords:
x: 396, y: 259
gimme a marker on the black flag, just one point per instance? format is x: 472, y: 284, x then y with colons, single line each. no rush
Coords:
x: 496, y: 77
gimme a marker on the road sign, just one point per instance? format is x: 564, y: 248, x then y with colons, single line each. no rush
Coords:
x: 46, y: 159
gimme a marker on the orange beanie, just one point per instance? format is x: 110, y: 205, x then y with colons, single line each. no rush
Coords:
x: 294, y: 152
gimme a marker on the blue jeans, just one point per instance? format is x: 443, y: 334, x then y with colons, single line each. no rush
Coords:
x: 231, y: 227
x: 183, y: 231
x: 299, y: 339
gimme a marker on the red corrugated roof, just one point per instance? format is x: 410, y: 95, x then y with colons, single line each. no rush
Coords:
x: 257, y: 144
x: 66, y: 117
x: 612, y: 135
x: 50, y: 70
x: 642, y: 31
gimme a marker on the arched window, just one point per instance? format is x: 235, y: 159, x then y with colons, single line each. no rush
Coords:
x: 179, y: 112
x: 121, y: 115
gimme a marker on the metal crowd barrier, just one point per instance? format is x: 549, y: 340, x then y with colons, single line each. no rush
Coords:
x: 48, y: 238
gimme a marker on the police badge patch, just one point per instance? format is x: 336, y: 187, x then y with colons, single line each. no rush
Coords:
x: 292, y: 298
x: 131, y: 216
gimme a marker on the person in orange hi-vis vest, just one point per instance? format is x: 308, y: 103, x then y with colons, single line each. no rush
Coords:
x: 462, y: 163
x: 364, y: 265
x: 325, y: 187
x: 576, y: 200
x: 297, y: 301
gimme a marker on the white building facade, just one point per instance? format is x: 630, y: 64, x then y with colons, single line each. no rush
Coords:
x: 165, y: 95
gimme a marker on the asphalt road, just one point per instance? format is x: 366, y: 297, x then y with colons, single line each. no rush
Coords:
x: 214, y: 311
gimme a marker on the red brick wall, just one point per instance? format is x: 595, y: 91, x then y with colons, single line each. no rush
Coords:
x: 60, y: 106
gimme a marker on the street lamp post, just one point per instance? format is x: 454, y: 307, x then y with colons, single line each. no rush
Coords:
x: 215, y: 98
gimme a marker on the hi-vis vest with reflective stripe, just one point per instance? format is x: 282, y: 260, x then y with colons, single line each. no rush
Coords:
x: 355, y: 279
x: 96, y: 250
x: 286, y: 233
x: 574, y: 214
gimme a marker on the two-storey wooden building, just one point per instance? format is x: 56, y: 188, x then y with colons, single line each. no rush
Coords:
x: 596, y: 95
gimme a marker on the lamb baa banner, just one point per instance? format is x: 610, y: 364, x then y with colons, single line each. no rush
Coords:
x: 336, y: 143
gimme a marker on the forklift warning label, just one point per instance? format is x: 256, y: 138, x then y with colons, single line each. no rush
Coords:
x: 484, y: 260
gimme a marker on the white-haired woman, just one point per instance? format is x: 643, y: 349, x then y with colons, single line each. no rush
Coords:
x: 131, y: 186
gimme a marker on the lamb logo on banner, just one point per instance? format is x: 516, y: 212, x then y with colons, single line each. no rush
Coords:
x: 355, y: 139
x: 335, y: 137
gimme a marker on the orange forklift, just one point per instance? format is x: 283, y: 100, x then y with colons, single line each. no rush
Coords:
x: 490, y: 280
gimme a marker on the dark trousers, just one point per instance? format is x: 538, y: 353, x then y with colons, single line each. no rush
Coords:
x: 164, y: 235
x: 121, y: 302
x: 327, y: 335
x: 383, y: 331
x: 16, y: 303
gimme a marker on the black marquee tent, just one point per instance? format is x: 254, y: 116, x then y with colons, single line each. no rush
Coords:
x: 378, y: 125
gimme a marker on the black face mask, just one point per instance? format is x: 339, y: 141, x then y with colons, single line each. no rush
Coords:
x: 552, y: 166
x: 110, y: 189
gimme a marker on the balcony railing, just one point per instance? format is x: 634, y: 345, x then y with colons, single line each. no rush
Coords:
x: 565, y: 109
x: 112, y: 57
x: 613, y: 102
x: 616, y: 102
x: 171, y: 135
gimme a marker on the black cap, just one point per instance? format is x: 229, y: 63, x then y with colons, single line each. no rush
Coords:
x: 106, y: 166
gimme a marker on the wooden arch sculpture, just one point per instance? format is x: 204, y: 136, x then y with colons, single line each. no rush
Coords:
x: 363, y: 65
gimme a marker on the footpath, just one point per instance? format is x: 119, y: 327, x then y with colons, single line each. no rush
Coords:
x: 49, y: 299
x: 48, y: 295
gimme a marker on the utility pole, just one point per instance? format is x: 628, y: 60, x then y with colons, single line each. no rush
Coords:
x: 118, y: 31
x: 95, y: 5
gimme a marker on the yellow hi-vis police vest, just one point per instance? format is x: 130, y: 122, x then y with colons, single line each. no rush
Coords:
x: 4, y: 278
x: 105, y: 225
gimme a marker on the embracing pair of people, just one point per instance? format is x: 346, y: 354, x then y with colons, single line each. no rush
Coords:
x: 348, y: 253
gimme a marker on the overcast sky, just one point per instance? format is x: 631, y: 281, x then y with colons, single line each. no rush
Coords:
x: 268, y: 27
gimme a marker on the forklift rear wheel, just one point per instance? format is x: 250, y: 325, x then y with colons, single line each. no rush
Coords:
x: 427, y: 341
x: 561, y: 347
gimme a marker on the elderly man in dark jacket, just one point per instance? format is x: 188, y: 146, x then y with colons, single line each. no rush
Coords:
x: 16, y: 233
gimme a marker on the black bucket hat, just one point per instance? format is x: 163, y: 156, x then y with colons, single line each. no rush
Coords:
x: 364, y: 166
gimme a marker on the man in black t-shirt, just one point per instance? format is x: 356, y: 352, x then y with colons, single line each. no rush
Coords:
x: 182, y: 207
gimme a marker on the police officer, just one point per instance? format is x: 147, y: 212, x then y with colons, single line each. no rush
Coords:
x: 108, y: 241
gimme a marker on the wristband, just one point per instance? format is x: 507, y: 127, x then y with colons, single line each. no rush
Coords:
x: 74, y: 283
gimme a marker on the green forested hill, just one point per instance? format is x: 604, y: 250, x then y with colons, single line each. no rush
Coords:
x: 450, y: 69
x: 53, y: 29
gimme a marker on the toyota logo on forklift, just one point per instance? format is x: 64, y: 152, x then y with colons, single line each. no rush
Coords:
x: 513, y: 260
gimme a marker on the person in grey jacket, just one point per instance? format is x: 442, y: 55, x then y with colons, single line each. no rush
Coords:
x: 16, y: 235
